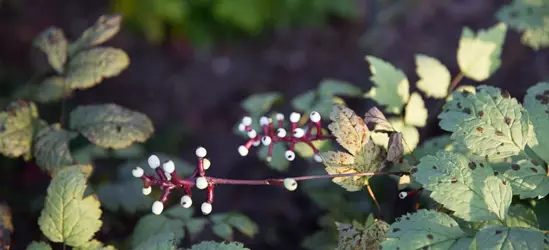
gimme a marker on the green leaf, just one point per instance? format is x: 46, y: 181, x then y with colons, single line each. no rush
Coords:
x: 51, y: 148
x: 212, y: 245
x: 259, y: 104
x: 410, y: 134
x: 67, y: 216
x: 305, y: 151
x: 536, y: 102
x: 243, y: 224
x: 314, y: 101
x: 499, y: 237
x: 392, y: 87
x: 432, y: 145
x: 39, y: 246
x: 434, y: 77
x: 469, y: 188
x: 536, y: 38
x: 53, y: 43
x: 278, y: 161
x: 320, y: 240
x: 248, y: 15
x: 171, y: 221
x: 125, y: 195
x: 425, y: 229
x: 479, y: 54
x: 367, y: 236
x: 104, y: 29
x: 223, y: 230
x: 195, y: 226
x: 51, y: 89
x: 332, y: 87
x: 95, y: 245
x: 416, y: 113
x: 528, y: 180
x: 521, y: 216
x: 349, y: 129
x: 111, y: 125
x: 89, y: 67
x: 17, y: 127
x: 163, y: 241
x: 490, y: 124
x: 530, y: 16
x: 541, y: 207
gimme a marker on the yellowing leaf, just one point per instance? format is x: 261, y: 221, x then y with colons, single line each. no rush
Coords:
x: 17, y: 127
x: 90, y: 67
x: 51, y: 148
x: 349, y: 129
x: 6, y: 226
x: 110, y: 125
x: 104, y: 29
x: 53, y: 43
x: 434, y: 77
x: 67, y: 216
x: 392, y: 87
x: 416, y: 113
x: 479, y: 55
x: 38, y: 246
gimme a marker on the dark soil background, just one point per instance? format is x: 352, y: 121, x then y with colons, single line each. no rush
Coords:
x: 199, y: 91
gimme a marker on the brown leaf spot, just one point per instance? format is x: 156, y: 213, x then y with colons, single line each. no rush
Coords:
x: 535, y: 163
x: 430, y: 236
x: 413, y: 170
x: 434, y: 167
x: 496, y: 173
x: 507, y: 120
x: 481, y: 113
x: 506, y: 94
x: 534, y: 170
x: 458, y: 105
x: 498, y: 232
x: 481, y: 165
x: 479, y: 129
x: 453, y: 180
x: 504, y: 182
x: 472, y: 165
x: 499, y: 133
x: 515, y: 166
x: 396, y: 230
x: 467, y: 111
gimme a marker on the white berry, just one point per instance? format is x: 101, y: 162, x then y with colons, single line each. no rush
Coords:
x: 279, y: 116
x: 201, y: 182
x: 290, y: 184
x: 137, y: 172
x: 299, y: 132
x: 266, y: 140
x: 206, y: 163
x: 186, y: 201
x: 241, y: 127
x: 317, y: 158
x: 206, y: 208
x: 153, y: 161
x: 294, y: 117
x: 157, y: 207
x: 252, y: 133
x: 256, y: 143
x: 290, y: 155
x: 201, y: 152
x: 247, y: 121
x: 281, y: 132
x: 147, y: 191
x: 263, y: 121
x: 168, y: 176
x: 169, y: 167
x: 269, y: 158
x: 242, y: 150
x: 402, y: 195
x: 314, y: 116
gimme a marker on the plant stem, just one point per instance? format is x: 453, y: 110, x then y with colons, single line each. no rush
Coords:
x: 455, y: 82
x: 374, y: 199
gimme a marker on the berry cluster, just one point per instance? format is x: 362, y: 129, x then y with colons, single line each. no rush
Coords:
x: 271, y: 134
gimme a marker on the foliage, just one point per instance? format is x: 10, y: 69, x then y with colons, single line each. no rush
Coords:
x: 531, y: 17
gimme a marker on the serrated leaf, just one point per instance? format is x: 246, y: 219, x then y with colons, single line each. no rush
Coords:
x: 163, y: 241
x: 259, y: 104
x: 278, y: 161
x: 349, y: 129
x: 536, y: 102
x: 489, y: 123
x: 392, y: 87
x: 212, y: 245
x: 374, y: 115
x: 479, y: 54
x: 171, y: 221
x: 51, y: 148
x: 469, y: 188
x: 195, y: 226
x: 500, y: 238
x: 410, y: 135
x: 332, y: 87
x: 38, y: 246
x: 395, y: 148
x: 67, y: 216
x: 314, y: 101
x: 89, y: 67
x: 536, y: 38
x: 434, y: 77
x: 432, y: 145
x: 53, y: 43
x: 243, y: 224
x: 51, y: 89
x: 528, y: 180
x: 111, y: 125
x: 6, y: 226
x: 368, y: 236
x: 125, y: 195
x: 416, y: 113
x: 521, y: 216
x: 102, y: 30
x: 95, y: 245
x: 223, y: 230
x: 425, y: 229
x: 530, y: 16
x: 17, y: 127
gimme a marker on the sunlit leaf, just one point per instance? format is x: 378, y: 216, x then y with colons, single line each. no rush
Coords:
x: 434, y: 76
x: 51, y: 89
x: 536, y: 102
x: 367, y: 236
x: 521, y: 216
x: 212, y: 245
x: 529, y: 16
x: 89, y: 67
x: 395, y: 148
x: 53, y: 43
x: 509, y: 238
x: 374, y: 115
x: 17, y: 127
x: 349, y: 129
x: 391, y: 85
x: 102, y: 30
x: 528, y: 178
x: 416, y: 113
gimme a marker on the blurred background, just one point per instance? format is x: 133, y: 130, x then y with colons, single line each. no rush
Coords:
x: 193, y: 62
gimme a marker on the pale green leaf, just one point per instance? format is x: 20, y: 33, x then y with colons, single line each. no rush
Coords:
x: 469, y: 188
x: 425, y: 229
x: 259, y: 104
x: 102, y: 30
x: 125, y: 195
x: 305, y: 102
x: 51, y: 148
x: 243, y: 224
x: 505, y: 238
x: 38, y: 246
x: 410, y: 135
x: 212, y: 245
x: 536, y: 102
x: 479, y: 54
x: 223, y: 230
x: 53, y: 43
x: 434, y: 77
x: 367, y: 236
x: 521, y: 216
x: 95, y: 245
x: 173, y: 221
x: 391, y: 85
x: 536, y: 38
x: 530, y: 16
x: 278, y: 161
x: 195, y: 226
x: 111, y: 125
x: 528, y: 178
x: 314, y: 101
x: 162, y: 241
x: 90, y: 67
x: 17, y: 127
x: 349, y: 129
x: 67, y: 216
x: 416, y: 113
x: 305, y: 151
x: 51, y: 89
x: 433, y: 145
x: 332, y: 87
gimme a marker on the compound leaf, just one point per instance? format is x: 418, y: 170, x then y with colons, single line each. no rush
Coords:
x: 392, y: 87
x: 258, y: 104
x: 110, y: 125
x: 479, y: 55
x: 53, y: 43
x: 536, y: 102
x: 51, y: 89
x: 89, y: 67
x: 529, y: 16
x: 416, y: 113
x: 467, y: 187
x: 367, y: 236
x: 212, y: 245
x: 425, y: 229
x: 521, y: 216
x: 163, y: 241
x: 349, y: 129
x: 51, y: 148
x: 528, y: 178
x: 499, y: 237
x: 434, y: 77
x: 171, y: 221
x: 17, y: 127
x: 103, y: 29
x: 67, y: 216
x: 432, y: 145
x: 38, y: 246
x: 333, y: 87
x: 95, y: 245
